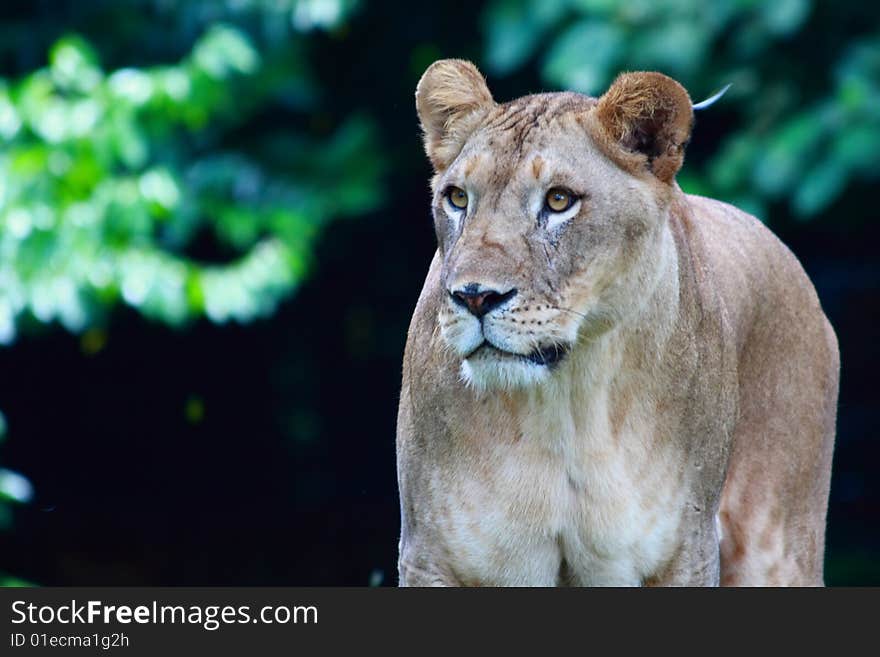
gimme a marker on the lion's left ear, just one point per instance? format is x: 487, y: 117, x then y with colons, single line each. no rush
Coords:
x: 648, y: 114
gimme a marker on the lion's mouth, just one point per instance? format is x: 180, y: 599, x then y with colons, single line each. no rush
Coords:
x: 547, y: 356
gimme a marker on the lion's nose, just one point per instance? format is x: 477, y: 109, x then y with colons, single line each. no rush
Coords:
x: 479, y: 300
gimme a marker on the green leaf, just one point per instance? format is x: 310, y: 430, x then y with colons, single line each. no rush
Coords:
x: 74, y: 65
x: 8, y: 581
x: 10, y: 121
x: 734, y: 162
x: 321, y: 14
x: 673, y: 47
x: 784, y: 16
x: 132, y: 85
x: 223, y: 51
x: 857, y: 146
x: 583, y: 58
x: 788, y: 153
x: 15, y: 487
x: 819, y: 188
x: 514, y: 30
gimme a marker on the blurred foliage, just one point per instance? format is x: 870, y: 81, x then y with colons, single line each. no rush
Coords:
x: 191, y: 181
x: 806, y: 91
x: 121, y: 187
x: 8, y: 581
x: 14, y: 488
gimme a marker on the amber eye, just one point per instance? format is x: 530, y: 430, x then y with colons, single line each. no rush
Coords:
x: 458, y: 197
x: 559, y: 200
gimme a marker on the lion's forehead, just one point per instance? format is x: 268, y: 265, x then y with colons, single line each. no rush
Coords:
x: 536, y: 110
x: 521, y: 120
x: 519, y: 136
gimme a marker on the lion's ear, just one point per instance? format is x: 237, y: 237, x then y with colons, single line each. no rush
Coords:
x: 648, y: 114
x: 451, y: 99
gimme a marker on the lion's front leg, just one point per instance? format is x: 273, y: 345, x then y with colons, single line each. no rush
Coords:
x: 696, y: 562
x: 422, y: 573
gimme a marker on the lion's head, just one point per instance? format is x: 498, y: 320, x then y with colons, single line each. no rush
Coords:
x: 549, y: 213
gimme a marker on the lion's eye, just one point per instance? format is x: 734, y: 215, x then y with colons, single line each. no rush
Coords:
x: 458, y: 197
x: 559, y: 200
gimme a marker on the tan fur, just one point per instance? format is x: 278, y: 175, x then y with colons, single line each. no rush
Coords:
x: 698, y: 386
x: 451, y: 99
x: 640, y: 104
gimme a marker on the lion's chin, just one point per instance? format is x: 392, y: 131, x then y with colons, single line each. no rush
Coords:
x: 491, y: 369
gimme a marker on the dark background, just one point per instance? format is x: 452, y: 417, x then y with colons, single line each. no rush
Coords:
x: 263, y: 454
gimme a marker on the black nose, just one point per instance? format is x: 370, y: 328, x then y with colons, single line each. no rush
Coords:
x: 479, y: 300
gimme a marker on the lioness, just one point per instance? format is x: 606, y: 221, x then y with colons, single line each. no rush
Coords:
x: 606, y: 381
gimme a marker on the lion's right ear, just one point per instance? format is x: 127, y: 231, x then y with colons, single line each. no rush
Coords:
x: 451, y: 99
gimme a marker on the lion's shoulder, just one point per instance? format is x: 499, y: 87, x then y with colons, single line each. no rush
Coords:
x: 756, y: 274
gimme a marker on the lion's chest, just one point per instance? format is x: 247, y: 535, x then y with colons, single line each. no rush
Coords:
x: 558, y: 509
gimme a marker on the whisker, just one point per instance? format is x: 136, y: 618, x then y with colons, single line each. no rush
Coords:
x: 569, y: 310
